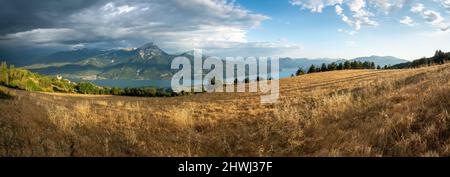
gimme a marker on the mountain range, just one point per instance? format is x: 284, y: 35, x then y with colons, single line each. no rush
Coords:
x: 147, y: 62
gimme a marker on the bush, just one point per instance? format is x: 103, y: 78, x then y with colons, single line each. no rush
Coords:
x: 116, y: 91
x: 87, y: 88
x: 32, y: 86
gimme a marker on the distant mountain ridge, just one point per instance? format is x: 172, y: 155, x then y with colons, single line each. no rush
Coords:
x: 71, y: 56
x: 148, y: 62
x: 145, y: 62
x: 303, y: 62
x: 381, y: 60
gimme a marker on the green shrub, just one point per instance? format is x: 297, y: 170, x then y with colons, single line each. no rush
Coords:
x: 32, y: 86
x: 116, y: 91
x: 86, y: 88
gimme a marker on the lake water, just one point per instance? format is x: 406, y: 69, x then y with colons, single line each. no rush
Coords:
x: 158, y: 83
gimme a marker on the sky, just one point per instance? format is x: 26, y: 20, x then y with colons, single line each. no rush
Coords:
x: 407, y: 29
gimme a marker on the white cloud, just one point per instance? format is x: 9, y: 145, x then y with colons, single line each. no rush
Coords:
x: 362, y: 13
x: 113, y: 10
x: 356, y: 5
x: 435, y: 19
x: 315, y: 5
x: 407, y: 21
x: 359, y: 15
x: 281, y: 48
x: 388, y: 5
x: 446, y: 4
x: 344, y: 18
x: 339, y: 10
x: 351, y: 32
x: 171, y: 24
x: 418, y: 8
x: 432, y: 17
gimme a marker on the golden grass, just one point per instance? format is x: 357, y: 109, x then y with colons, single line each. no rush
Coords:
x: 341, y: 113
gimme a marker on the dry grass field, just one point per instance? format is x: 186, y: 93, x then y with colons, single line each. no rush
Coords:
x: 340, y: 113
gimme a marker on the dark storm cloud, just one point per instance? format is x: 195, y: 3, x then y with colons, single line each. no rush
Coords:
x: 174, y: 25
x: 24, y: 15
x: 89, y: 22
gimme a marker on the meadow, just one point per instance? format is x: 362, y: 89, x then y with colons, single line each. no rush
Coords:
x: 402, y: 112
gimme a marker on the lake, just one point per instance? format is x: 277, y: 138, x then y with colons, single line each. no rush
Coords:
x: 158, y: 83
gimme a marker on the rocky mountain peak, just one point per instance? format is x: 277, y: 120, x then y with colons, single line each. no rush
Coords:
x: 149, y: 50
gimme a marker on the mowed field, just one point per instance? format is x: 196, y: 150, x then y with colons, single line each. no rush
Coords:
x: 340, y: 113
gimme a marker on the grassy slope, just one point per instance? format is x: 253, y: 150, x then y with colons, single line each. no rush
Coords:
x: 26, y: 80
x: 342, y: 113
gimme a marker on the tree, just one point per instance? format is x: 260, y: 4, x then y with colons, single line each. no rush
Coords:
x: 340, y: 66
x: 105, y: 91
x: 378, y: 67
x: 312, y: 69
x: 4, y: 78
x: 365, y: 65
x: 299, y: 72
x: 116, y: 91
x: 318, y: 69
x: 324, y: 67
x: 356, y: 65
x: 332, y: 66
x: 347, y: 65
x: 439, y: 57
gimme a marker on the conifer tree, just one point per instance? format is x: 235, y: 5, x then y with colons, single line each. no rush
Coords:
x: 324, y: 67
x: 332, y: 66
x: 312, y: 69
x: 347, y: 65
x: 340, y: 66
x: 299, y: 72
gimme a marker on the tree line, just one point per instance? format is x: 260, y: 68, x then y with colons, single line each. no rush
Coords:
x: 339, y: 66
x: 438, y: 59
